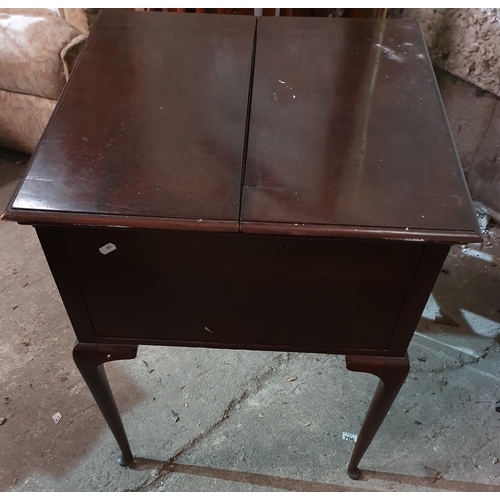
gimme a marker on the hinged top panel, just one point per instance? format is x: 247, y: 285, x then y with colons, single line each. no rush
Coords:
x: 150, y: 130
x: 348, y: 135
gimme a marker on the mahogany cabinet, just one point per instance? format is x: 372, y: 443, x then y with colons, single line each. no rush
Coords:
x: 279, y: 183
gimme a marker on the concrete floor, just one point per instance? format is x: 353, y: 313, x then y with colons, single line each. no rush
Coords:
x: 242, y: 425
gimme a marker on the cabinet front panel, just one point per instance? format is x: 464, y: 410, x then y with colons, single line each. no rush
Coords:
x: 241, y: 290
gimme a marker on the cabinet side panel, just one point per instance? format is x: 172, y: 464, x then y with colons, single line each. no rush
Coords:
x: 421, y: 287
x: 54, y: 247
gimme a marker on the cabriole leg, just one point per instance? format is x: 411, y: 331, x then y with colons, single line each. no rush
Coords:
x: 392, y: 373
x: 89, y: 359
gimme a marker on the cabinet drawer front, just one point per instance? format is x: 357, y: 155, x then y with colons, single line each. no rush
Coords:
x: 241, y: 290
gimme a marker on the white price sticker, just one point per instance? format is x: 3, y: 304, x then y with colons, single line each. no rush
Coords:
x: 346, y: 436
x: 108, y: 248
x: 56, y: 417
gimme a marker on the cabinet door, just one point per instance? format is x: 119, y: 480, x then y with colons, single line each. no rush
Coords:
x: 243, y: 291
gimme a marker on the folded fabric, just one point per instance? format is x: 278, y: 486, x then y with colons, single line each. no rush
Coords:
x: 33, y: 50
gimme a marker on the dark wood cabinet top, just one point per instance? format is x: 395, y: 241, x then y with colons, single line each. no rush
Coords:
x: 151, y: 126
x: 345, y: 135
x: 348, y: 134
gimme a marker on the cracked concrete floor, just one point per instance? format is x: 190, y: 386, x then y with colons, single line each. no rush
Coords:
x: 242, y: 426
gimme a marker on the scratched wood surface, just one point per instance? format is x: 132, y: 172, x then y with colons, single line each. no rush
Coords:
x: 348, y: 130
x: 346, y: 137
x: 151, y: 125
